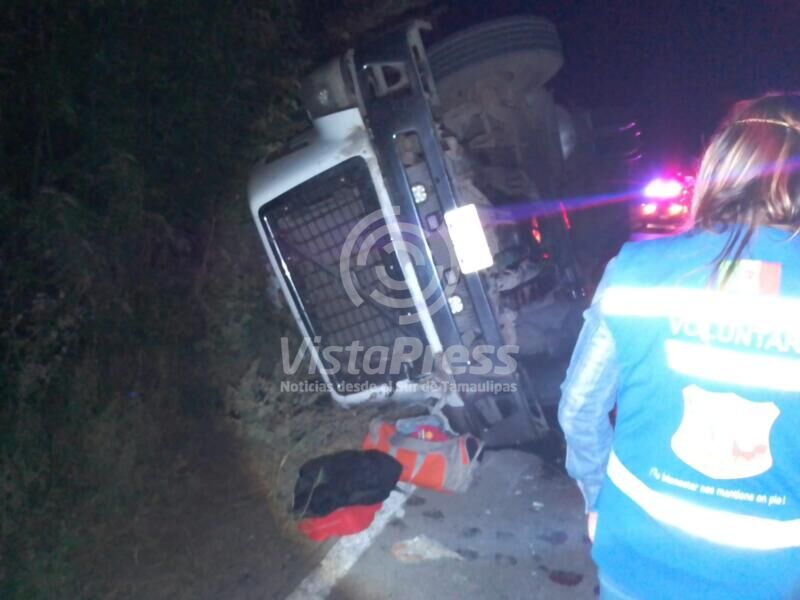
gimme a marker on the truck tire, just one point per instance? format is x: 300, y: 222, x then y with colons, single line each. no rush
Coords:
x: 485, y: 49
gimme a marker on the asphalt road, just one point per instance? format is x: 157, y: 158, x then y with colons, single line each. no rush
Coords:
x: 517, y: 533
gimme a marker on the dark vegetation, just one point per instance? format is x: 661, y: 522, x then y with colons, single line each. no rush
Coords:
x: 133, y: 280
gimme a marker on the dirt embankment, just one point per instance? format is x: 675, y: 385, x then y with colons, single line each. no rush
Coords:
x: 218, y: 525
x: 207, y: 531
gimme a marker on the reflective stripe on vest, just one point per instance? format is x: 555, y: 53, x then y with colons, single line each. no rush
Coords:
x: 716, y: 526
x: 738, y: 339
x: 763, y: 312
x: 734, y: 367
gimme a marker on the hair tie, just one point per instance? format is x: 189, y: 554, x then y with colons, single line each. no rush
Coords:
x: 768, y: 121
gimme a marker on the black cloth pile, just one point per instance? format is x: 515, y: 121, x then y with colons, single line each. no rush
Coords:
x: 347, y: 478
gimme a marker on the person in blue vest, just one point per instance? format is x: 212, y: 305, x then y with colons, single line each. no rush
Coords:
x: 694, y: 492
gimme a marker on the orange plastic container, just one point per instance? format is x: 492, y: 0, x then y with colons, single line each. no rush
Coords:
x: 444, y: 466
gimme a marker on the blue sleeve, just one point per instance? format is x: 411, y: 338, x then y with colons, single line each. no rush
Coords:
x: 588, y: 394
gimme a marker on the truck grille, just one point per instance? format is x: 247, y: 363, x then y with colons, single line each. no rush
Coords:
x: 307, y: 228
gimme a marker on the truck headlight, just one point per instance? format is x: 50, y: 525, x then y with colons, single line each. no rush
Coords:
x: 649, y: 209
x: 469, y: 239
x: 675, y: 209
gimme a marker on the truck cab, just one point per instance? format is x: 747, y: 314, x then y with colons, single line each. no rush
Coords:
x: 433, y: 232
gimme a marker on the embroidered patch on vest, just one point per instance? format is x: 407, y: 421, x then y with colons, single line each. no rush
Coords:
x: 753, y: 277
x: 723, y: 435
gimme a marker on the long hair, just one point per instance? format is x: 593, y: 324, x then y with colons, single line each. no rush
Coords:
x: 749, y: 174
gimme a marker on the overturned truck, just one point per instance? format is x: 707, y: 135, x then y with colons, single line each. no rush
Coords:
x: 424, y: 231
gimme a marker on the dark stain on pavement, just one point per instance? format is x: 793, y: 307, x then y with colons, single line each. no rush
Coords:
x: 568, y: 578
x: 505, y: 560
x: 436, y: 515
x: 467, y: 553
x: 415, y: 501
x: 470, y: 532
x: 398, y: 524
x: 556, y: 538
x: 505, y: 535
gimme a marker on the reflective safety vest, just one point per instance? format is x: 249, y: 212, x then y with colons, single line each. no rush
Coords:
x: 704, y: 477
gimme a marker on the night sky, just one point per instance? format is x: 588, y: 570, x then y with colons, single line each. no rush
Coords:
x: 679, y: 64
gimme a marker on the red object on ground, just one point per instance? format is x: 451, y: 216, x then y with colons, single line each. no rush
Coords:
x: 429, y: 433
x: 424, y: 470
x: 380, y: 439
x: 343, y: 521
x: 444, y: 466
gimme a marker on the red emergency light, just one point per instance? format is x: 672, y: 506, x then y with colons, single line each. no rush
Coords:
x: 663, y: 188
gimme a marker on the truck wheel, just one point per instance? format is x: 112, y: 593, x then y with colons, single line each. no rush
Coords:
x: 486, y: 49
